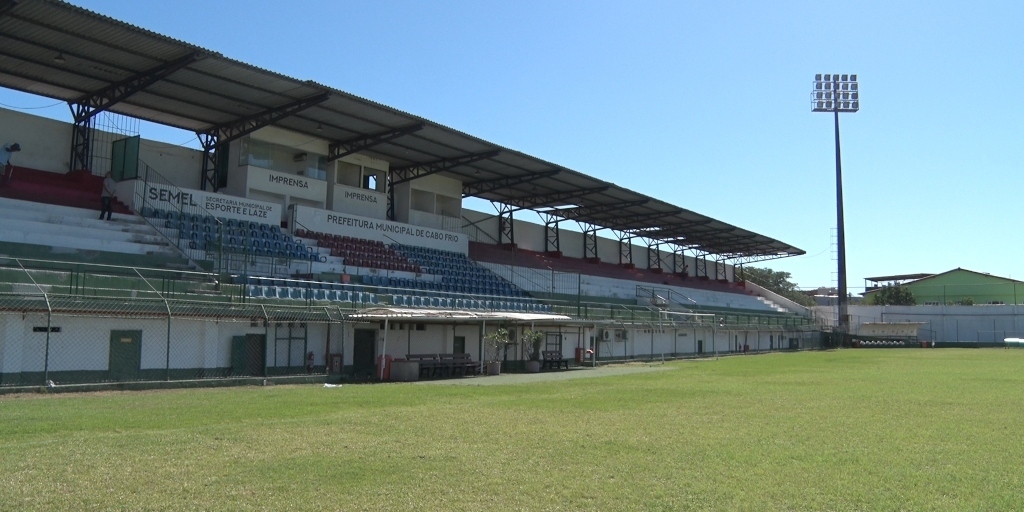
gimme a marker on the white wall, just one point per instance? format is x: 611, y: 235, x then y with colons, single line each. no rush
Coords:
x: 298, y: 141
x: 45, y: 143
x: 531, y: 236
x: 180, y: 165
x: 84, y: 343
x: 46, y: 146
x: 949, y: 323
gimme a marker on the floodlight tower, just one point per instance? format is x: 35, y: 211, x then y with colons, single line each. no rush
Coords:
x: 838, y: 93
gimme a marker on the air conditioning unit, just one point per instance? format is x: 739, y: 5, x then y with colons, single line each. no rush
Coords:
x: 623, y: 334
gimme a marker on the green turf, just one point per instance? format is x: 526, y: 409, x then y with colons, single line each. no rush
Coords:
x: 849, y: 430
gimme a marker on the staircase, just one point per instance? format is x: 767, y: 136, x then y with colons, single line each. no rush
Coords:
x: 772, y: 305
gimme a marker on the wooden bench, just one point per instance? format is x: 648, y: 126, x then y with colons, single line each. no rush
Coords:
x: 445, y: 365
x: 459, y: 364
x: 429, y: 363
x: 553, y: 360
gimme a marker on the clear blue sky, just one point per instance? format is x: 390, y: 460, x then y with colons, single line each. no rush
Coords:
x: 702, y: 104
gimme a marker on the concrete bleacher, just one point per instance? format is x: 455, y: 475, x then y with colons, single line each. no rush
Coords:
x: 207, y: 233
x: 505, y: 255
x: 66, y: 233
x: 385, y: 274
x: 359, y: 252
x: 79, y: 189
x: 457, y: 270
x: 404, y: 276
x: 611, y: 281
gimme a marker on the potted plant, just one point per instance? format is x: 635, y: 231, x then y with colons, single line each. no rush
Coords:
x: 531, y: 341
x: 496, y: 343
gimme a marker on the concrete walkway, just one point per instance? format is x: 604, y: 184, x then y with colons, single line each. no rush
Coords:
x: 526, y: 378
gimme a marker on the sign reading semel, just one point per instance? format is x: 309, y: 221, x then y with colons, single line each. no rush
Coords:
x: 344, y: 224
x: 218, y: 205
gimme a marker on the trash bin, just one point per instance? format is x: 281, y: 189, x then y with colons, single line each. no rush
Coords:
x: 386, y: 373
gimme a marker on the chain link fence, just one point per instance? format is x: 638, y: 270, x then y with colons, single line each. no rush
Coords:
x: 58, y: 339
x: 74, y: 323
x: 64, y: 323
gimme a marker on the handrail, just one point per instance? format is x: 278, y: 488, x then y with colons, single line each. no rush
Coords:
x: 650, y: 293
x: 186, y: 246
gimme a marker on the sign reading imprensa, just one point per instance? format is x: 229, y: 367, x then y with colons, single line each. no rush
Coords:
x: 344, y: 224
x: 290, y: 185
x: 218, y: 205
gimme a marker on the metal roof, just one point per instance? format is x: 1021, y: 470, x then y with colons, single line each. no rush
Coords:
x: 55, y: 49
x: 901, y: 277
x: 452, y: 315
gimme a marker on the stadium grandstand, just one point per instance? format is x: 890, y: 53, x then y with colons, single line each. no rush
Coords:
x: 317, y: 232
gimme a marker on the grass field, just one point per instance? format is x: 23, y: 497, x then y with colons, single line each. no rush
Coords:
x: 849, y: 430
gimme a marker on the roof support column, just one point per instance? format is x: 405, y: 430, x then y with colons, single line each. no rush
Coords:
x: 81, y: 137
x: 654, y: 255
x: 506, y: 224
x: 390, y: 215
x: 721, y: 270
x: 84, y: 108
x: 702, y: 265
x: 626, y: 249
x: 552, y: 237
x: 678, y: 261
x: 589, y: 242
x: 209, y: 142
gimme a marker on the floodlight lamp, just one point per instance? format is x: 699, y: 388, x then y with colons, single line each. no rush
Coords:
x: 853, y: 78
x: 817, y: 77
x: 828, y: 78
x: 817, y: 85
x: 845, y: 78
x: 853, y: 86
x: 856, y: 105
x: 854, y: 95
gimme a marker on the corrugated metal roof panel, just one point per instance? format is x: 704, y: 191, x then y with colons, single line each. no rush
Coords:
x: 98, y: 50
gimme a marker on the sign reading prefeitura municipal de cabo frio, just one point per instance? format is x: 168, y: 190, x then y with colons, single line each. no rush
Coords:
x: 218, y: 205
x: 344, y: 224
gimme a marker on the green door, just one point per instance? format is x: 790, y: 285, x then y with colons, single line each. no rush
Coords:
x: 364, y: 350
x: 248, y: 354
x: 124, y: 158
x: 125, y: 355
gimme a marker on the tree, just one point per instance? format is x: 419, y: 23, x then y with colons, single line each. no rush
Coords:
x: 894, y: 295
x: 778, y: 282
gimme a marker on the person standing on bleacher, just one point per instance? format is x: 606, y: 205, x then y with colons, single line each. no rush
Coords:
x: 107, y: 196
x: 8, y: 168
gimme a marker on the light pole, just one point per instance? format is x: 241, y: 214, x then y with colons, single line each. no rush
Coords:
x: 838, y: 93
